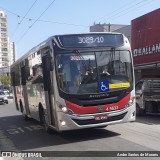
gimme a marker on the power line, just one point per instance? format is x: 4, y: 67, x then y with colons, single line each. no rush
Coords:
x: 114, y: 11
x: 23, y: 18
x: 45, y: 21
x: 36, y: 20
x: 132, y: 6
x: 132, y: 9
x: 63, y: 23
x: 48, y: 21
x: 9, y: 11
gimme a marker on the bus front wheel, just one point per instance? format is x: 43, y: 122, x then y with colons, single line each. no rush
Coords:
x: 42, y: 119
x: 21, y: 106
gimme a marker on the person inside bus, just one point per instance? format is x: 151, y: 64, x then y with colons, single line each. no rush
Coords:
x: 67, y: 70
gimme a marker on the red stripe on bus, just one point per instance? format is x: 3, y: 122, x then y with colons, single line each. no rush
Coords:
x: 94, y: 109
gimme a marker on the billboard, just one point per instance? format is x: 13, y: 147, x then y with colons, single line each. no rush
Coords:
x: 145, y: 39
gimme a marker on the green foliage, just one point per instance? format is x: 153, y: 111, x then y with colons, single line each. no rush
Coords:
x: 5, y: 80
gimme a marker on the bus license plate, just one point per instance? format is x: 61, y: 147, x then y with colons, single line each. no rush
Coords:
x: 100, y: 117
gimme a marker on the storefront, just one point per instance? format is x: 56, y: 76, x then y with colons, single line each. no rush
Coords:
x: 145, y: 41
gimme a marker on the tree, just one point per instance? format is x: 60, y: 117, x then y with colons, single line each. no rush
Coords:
x: 5, y: 80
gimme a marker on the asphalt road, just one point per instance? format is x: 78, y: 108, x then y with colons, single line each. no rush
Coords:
x: 19, y: 135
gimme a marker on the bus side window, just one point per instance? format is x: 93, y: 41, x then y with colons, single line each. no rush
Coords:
x: 23, y: 76
x: 27, y: 73
x: 13, y: 78
x: 37, y: 74
x: 17, y: 75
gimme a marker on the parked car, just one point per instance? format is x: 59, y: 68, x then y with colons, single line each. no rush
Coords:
x: 3, y: 98
x: 8, y: 94
x: 148, y: 96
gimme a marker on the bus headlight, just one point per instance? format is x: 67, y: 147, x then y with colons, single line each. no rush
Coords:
x: 63, y: 108
x: 130, y: 103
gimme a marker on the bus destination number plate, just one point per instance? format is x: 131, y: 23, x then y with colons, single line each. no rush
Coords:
x: 100, y: 117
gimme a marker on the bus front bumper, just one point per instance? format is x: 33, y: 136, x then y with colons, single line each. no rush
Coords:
x: 71, y: 122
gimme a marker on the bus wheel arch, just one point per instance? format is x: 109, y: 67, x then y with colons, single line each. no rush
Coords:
x: 42, y: 119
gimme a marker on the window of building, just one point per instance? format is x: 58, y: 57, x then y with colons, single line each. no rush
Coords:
x: 3, y: 39
x: 4, y: 44
x: 4, y: 64
x: 4, y: 59
x: 4, y: 49
x: 3, y: 34
x: 4, y: 54
x: 3, y: 29
x: 3, y: 25
x: 3, y: 19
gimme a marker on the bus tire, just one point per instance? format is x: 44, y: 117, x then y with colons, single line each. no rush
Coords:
x: 139, y: 111
x: 41, y: 114
x: 42, y: 118
x: 21, y: 106
x: 26, y: 118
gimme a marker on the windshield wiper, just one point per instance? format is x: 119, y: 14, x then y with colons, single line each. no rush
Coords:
x: 88, y: 74
x: 79, y: 54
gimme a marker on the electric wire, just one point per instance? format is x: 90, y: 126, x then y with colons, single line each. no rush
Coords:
x: 78, y: 25
x: 114, y: 11
x: 45, y: 21
x: 129, y: 8
x: 35, y: 21
x: 134, y: 10
x: 18, y: 25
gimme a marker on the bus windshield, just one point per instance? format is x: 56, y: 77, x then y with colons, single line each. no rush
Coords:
x: 93, y: 71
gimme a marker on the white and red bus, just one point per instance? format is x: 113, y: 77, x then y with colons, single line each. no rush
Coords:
x: 76, y: 81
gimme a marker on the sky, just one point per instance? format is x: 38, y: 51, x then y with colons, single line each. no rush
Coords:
x: 30, y: 22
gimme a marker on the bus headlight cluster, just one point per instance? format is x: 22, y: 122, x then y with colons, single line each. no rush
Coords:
x: 64, y: 109
x: 130, y: 103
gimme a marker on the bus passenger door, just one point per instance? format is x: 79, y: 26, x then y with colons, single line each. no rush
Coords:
x: 14, y: 89
x: 49, y: 96
x: 24, y: 92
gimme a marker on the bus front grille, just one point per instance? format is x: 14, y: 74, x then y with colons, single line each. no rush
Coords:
x: 93, y: 121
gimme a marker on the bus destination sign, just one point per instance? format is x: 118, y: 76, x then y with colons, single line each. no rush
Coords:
x: 91, y: 40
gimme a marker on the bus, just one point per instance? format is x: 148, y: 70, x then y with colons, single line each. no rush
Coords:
x: 76, y: 81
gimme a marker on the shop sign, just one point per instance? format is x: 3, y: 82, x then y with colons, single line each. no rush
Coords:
x: 155, y: 48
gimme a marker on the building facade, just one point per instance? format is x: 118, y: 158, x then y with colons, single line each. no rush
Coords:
x: 145, y: 42
x: 4, y: 57
x: 11, y: 53
x: 7, y: 50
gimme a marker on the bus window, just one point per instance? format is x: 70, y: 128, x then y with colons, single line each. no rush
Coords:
x: 37, y: 74
x: 13, y: 78
x: 23, y: 76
